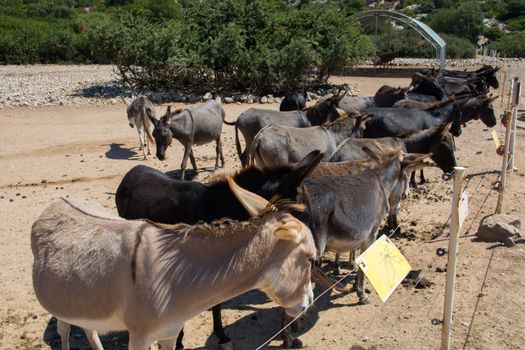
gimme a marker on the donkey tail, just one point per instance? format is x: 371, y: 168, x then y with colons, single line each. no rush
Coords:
x: 238, y: 144
x: 228, y: 123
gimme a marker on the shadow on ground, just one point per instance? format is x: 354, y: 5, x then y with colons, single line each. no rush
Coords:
x: 78, y: 340
x: 116, y: 151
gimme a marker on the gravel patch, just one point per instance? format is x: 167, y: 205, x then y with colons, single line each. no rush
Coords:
x: 44, y: 85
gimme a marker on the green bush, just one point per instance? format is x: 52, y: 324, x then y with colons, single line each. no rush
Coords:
x: 464, y: 21
x: 458, y: 47
x: 29, y: 41
x: 233, y: 45
x: 516, y: 24
x: 511, y: 45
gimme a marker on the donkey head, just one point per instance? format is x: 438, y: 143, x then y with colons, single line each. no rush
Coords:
x: 489, y: 73
x: 387, y: 95
x: 427, y: 86
x: 479, y: 107
x: 287, y: 281
x: 442, y: 147
x: 162, y: 134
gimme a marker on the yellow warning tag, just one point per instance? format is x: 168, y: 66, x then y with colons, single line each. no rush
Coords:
x: 463, y: 208
x: 384, y: 266
x: 495, y: 138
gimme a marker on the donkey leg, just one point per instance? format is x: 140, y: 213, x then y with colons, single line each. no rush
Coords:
x: 225, y: 342
x: 187, y: 151
x: 138, y: 341
x: 422, y: 178
x: 337, y: 267
x: 93, y: 339
x: 141, y: 140
x: 179, y: 345
x: 192, y: 159
x: 167, y: 344
x: 352, y: 260
x: 413, y: 180
x: 218, y: 151
x: 63, y: 329
x: 289, y: 341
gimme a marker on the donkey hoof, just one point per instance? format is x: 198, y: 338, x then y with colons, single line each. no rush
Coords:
x: 293, y: 343
x: 336, y: 271
x: 296, y: 325
x: 226, y: 346
x: 363, y: 299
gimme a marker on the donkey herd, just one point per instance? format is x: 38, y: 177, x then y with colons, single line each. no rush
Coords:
x: 314, y: 179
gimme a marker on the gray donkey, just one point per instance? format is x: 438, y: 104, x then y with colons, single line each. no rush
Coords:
x: 141, y: 112
x: 195, y: 126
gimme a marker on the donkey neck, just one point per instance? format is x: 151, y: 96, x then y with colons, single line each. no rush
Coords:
x: 180, y: 123
x: 442, y: 113
x: 419, y: 142
x: 389, y: 175
x: 196, y: 263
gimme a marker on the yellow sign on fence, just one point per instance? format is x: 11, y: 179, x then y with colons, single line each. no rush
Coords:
x: 384, y: 266
x: 495, y: 138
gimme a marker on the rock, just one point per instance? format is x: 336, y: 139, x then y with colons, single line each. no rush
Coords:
x: 278, y: 100
x: 264, y: 99
x: 499, y: 228
x: 312, y: 96
x: 207, y: 96
x: 249, y: 100
x: 271, y: 99
x: 228, y: 100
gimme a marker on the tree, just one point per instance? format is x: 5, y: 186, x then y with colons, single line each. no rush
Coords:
x: 465, y: 21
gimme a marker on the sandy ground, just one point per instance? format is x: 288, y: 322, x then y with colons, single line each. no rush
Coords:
x: 47, y: 152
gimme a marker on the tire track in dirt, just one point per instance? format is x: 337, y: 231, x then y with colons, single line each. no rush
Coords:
x: 61, y: 182
x: 68, y: 149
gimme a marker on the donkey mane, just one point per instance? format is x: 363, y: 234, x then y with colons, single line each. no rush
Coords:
x: 249, y: 172
x: 339, y: 121
x: 217, y: 228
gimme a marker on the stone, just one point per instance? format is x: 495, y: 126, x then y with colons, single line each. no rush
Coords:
x: 264, y: 99
x: 501, y: 228
x: 228, y: 100
x: 207, y: 96
x: 271, y: 99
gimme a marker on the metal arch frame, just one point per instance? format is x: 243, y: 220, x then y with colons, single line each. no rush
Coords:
x: 424, y: 30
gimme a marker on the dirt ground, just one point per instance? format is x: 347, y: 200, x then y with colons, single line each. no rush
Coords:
x: 48, y: 152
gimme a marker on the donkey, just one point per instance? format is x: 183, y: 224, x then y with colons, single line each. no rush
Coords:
x: 195, y: 126
x: 147, y: 193
x: 436, y: 141
x: 279, y: 145
x: 251, y: 121
x: 398, y: 122
x: 345, y: 212
x: 294, y: 102
x: 385, y: 96
x: 141, y: 114
x: 104, y: 273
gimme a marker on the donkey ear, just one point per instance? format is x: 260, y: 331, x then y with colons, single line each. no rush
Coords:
x: 291, y: 230
x: 303, y: 169
x: 414, y: 161
x: 252, y: 202
x: 373, y: 155
x: 153, y: 120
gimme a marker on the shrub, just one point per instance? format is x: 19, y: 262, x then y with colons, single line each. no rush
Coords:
x: 510, y: 45
x: 233, y: 45
x: 465, y: 21
x: 29, y: 41
x: 458, y: 47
